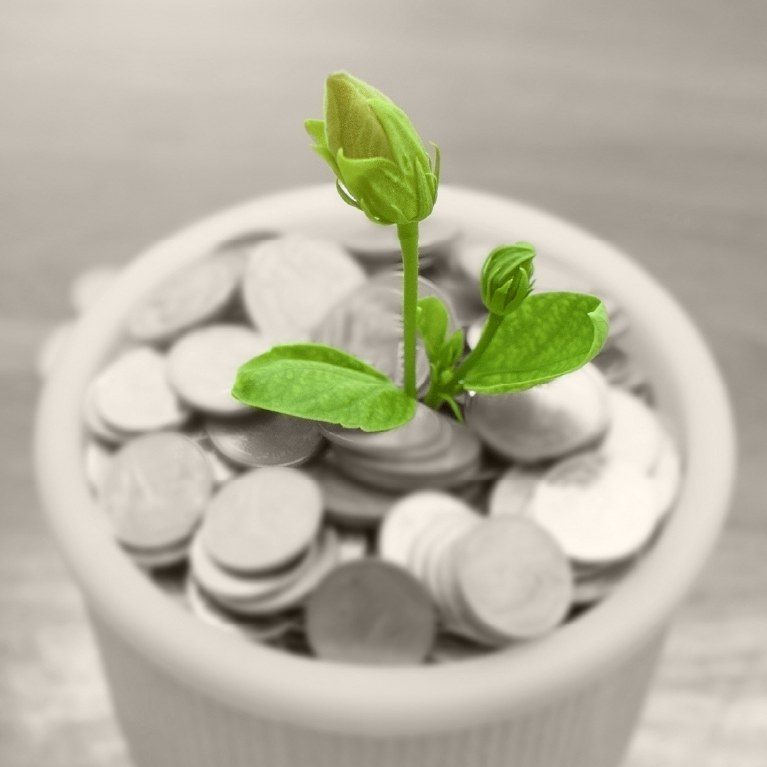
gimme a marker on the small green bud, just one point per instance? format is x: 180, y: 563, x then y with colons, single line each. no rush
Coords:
x: 507, y: 277
x: 374, y: 150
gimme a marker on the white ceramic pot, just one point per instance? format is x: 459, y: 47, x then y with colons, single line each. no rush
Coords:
x: 187, y: 695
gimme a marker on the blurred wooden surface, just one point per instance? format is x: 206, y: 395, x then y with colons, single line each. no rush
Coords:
x: 646, y: 122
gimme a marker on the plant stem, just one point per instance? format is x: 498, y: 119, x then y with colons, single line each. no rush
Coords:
x: 490, y: 329
x: 408, y: 239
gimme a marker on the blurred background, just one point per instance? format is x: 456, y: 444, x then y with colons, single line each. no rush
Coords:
x: 645, y: 122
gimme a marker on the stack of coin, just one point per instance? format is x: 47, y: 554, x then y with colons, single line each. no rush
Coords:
x: 494, y: 579
x: 261, y: 547
x: 490, y: 530
x: 432, y: 450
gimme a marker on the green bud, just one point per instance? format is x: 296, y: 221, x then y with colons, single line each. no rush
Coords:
x: 378, y: 158
x: 507, y: 277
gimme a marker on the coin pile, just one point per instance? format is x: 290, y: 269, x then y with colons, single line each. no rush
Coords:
x: 433, y: 542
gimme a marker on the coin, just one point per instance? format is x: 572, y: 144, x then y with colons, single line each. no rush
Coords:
x: 408, y: 518
x: 367, y: 323
x: 199, y: 293
x: 203, y: 365
x: 635, y: 433
x: 262, y: 520
x: 90, y: 285
x: 262, y: 438
x: 53, y: 348
x: 513, y: 491
x: 546, y: 422
x: 371, y: 612
x: 291, y: 283
x: 378, y: 246
x: 457, y: 463
x: 156, y: 491
x: 514, y: 579
x: 599, y: 509
x: 133, y: 395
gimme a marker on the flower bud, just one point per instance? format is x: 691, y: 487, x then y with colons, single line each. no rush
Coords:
x: 507, y: 277
x: 374, y: 150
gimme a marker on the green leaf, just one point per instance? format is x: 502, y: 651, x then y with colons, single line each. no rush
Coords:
x: 432, y: 321
x: 549, y: 334
x: 324, y: 384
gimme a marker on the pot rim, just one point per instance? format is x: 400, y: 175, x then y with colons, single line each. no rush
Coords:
x: 390, y: 701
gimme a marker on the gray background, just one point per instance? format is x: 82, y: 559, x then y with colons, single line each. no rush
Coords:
x: 645, y: 122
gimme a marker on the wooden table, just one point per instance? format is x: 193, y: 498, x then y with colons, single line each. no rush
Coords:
x: 645, y: 122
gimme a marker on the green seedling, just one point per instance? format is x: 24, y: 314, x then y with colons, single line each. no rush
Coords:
x: 382, y: 168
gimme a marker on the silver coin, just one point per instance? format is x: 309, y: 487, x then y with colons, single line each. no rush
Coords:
x: 546, y: 422
x: 368, y: 324
x: 156, y: 491
x: 262, y: 438
x: 599, y: 509
x: 203, y: 365
x: 263, y: 520
x: 133, y: 394
x: 198, y: 294
x: 291, y: 283
x: 536, y: 578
